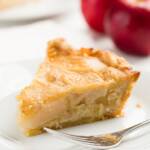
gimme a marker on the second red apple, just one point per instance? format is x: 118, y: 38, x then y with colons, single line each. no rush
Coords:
x: 94, y: 12
x: 128, y: 24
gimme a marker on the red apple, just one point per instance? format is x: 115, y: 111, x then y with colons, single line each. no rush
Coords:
x: 128, y: 23
x: 94, y: 12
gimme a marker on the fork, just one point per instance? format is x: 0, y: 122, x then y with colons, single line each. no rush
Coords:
x: 104, y: 141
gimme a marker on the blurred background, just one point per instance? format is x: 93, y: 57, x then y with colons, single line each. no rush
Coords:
x: 120, y: 26
x: 26, y: 25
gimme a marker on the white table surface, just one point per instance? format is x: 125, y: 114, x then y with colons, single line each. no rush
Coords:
x: 28, y: 42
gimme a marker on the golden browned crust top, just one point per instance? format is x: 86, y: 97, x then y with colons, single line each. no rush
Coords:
x: 59, y: 47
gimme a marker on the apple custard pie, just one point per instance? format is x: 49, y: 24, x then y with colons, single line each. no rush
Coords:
x: 73, y: 87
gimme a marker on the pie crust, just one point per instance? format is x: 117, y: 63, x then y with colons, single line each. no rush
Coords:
x: 73, y: 87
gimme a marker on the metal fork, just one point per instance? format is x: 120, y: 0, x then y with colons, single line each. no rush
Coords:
x: 104, y: 141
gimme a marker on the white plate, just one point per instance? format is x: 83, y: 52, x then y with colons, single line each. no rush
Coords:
x: 35, y: 10
x: 133, y: 115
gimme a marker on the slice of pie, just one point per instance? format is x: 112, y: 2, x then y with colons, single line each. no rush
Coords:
x: 73, y: 87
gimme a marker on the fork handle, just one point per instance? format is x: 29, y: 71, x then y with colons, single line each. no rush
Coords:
x: 136, y: 127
